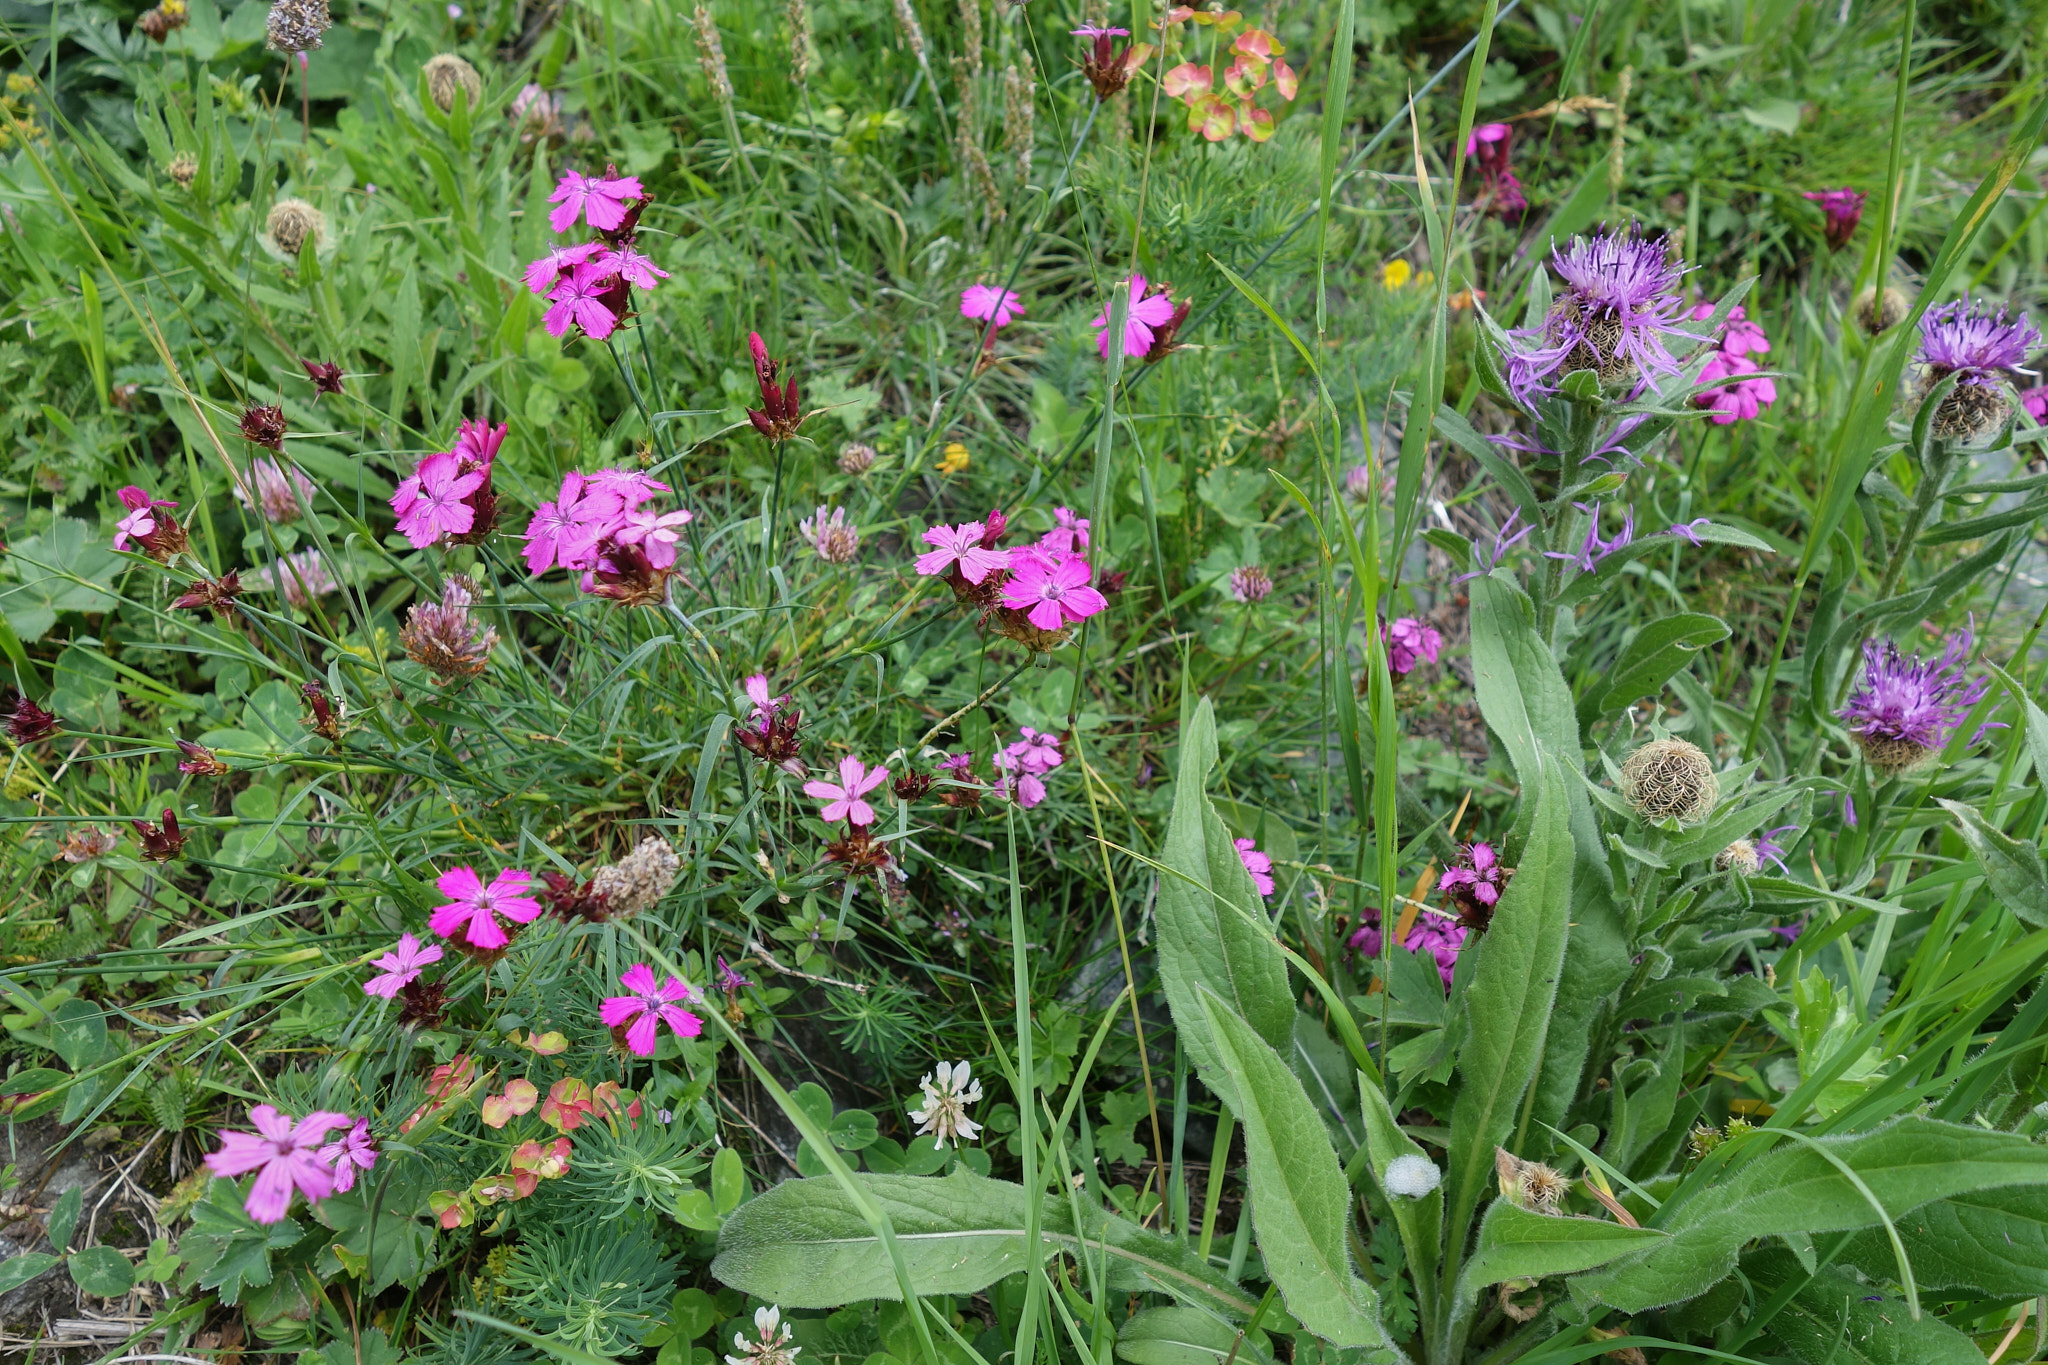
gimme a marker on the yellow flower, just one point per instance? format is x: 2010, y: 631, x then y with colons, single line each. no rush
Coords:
x: 1425, y: 279
x: 955, y: 459
x: 20, y: 83
x: 1395, y: 273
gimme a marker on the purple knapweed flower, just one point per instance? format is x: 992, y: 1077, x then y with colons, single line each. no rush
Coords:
x: 1489, y: 557
x: 1595, y: 549
x: 1905, y: 708
x: 1619, y: 301
x: 1770, y: 850
x: 1688, y: 530
x: 1972, y: 341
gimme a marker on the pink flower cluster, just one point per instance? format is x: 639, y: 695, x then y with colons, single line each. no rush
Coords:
x: 1743, y: 399
x: 589, y: 284
x: 1047, y: 582
x: 595, y: 518
x: 1441, y: 939
x: 1027, y: 762
x: 290, y: 1156
x: 449, y: 497
x: 1260, y: 865
x: 1409, y: 642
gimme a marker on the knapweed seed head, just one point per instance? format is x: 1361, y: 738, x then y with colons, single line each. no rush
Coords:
x: 639, y: 880
x: 1740, y: 858
x: 294, y: 222
x: 297, y: 25
x: 856, y: 458
x: 1531, y: 1184
x: 1670, y: 779
x: 1876, y: 312
x: 1620, y: 300
x: 159, y: 23
x: 445, y: 638
x: 183, y: 170
x: 835, y: 541
x: 446, y: 73
x: 1904, y: 709
x: 1250, y: 583
x: 947, y: 1093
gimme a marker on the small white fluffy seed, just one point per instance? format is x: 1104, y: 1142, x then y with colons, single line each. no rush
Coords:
x: 1412, y: 1177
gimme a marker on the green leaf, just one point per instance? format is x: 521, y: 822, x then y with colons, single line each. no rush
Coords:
x: 853, y: 1129
x: 397, y: 1249
x: 1659, y: 650
x: 1515, y: 1243
x: 102, y: 1271
x: 1795, y: 1189
x: 804, y: 1244
x: 728, y: 1181
x: 1299, y: 1197
x: 63, y: 1219
x: 2012, y: 867
x: 1211, y: 934
x: 1991, y: 1244
x: 17, y: 1271
x: 225, y: 1249
x: 1182, y: 1336
x: 78, y: 1034
x: 1833, y: 1320
x: 48, y: 568
x: 2037, y: 722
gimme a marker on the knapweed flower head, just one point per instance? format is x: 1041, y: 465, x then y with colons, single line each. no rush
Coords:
x: 285, y: 1154
x: 779, y: 415
x: 770, y: 1344
x: 1473, y: 885
x: 1250, y: 583
x: 1620, y: 300
x: 1670, y: 779
x: 355, y: 1152
x: 1051, y: 591
x: 1410, y: 641
x: 469, y: 918
x: 1593, y: 549
x: 1530, y: 1184
x: 280, y: 493
x: 1905, y: 708
x: 639, y: 880
x: 1440, y: 939
x: 846, y: 798
x: 1259, y: 865
x: 445, y: 637
x: 400, y: 966
x: 147, y: 527
x: 1841, y: 210
x: 947, y: 1093
x: 303, y: 578
x: 1982, y: 349
x: 831, y: 536
x: 448, y: 73
x: 986, y: 303
x: 1150, y: 325
x: 637, y: 1016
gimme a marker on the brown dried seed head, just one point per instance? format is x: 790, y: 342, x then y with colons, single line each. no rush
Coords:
x: 447, y: 73
x: 1670, y: 779
x: 291, y: 223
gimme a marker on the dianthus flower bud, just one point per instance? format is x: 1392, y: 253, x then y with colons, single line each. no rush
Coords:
x: 264, y: 425
x: 161, y: 843
x: 199, y: 760
x: 778, y: 417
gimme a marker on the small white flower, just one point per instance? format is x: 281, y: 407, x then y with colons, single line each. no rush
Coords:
x: 772, y: 1349
x: 1411, y: 1176
x: 944, y: 1111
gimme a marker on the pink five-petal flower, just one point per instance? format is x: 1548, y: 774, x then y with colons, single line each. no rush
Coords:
x: 285, y: 1155
x: 1260, y: 865
x: 473, y: 908
x: 648, y: 1006
x: 141, y: 519
x: 655, y: 534
x: 602, y: 202
x: 631, y: 266
x: 438, y: 508
x: 630, y: 486
x: 354, y: 1152
x: 961, y: 545
x: 579, y: 302
x: 1051, y: 594
x: 399, y: 966
x: 545, y: 273
x: 566, y: 530
x: 843, y: 798
x: 986, y: 303
x: 1145, y: 314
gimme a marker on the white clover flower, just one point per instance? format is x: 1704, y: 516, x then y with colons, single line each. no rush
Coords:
x: 1411, y: 1177
x: 773, y: 1348
x: 944, y: 1112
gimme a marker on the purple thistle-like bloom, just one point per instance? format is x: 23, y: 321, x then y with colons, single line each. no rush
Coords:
x: 1619, y: 302
x: 1973, y: 342
x: 1770, y: 850
x: 1505, y: 539
x: 1595, y: 549
x: 1688, y: 530
x: 1905, y: 708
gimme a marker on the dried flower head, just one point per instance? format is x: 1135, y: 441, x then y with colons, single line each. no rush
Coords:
x: 200, y: 761
x: 446, y: 73
x: 421, y: 1004
x: 1250, y: 583
x: 86, y: 842
x: 1620, y: 300
x: 28, y: 722
x: 282, y: 494
x: 1531, y: 1184
x: 1740, y: 858
x: 444, y: 637
x: 159, y: 23
x: 944, y: 1111
x: 264, y: 425
x: 856, y: 458
x: 640, y: 879
x: 294, y: 222
x: 711, y: 54
x: 159, y: 843
x: 212, y: 594
x: 183, y: 170
x: 1877, y: 312
x: 1670, y: 779
x: 1904, y: 710
x: 771, y: 1345
x: 297, y: 25
x: 835, y: 541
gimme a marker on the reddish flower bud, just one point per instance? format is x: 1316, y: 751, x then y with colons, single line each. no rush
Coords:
x: 326, y: 378
x: 159, y: 844
x: 779, y: 415
x: 265, y: 426
x: 199, y: 760
x: 215, y: 594
x: 27, y: 722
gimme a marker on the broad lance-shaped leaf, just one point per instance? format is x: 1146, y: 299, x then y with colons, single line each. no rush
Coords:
x: 2012, y: 867
x: 1301, y: 1203
x: 803, y: 1244
x: 1905, y: 1164
x: 1185, y: 1336
x: 1836, y: 1320
x: 1508, y: 1005
x: 1420, y: 1220
x: 1515, y: 1243
x: 1211, y: 932
x: 1993, y: 1243
x: 1526, y: 701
